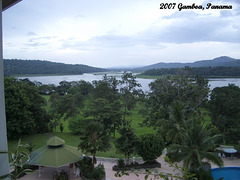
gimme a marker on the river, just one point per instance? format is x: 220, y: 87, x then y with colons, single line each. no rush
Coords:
x: 213, y: 82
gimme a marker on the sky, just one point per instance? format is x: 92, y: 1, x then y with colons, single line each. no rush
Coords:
x: 120, y: 33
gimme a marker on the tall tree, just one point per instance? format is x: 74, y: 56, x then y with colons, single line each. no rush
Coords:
x: 172, y: 127
x: 129, y: 92
x: 106, y: 88
x: 225, y: 110
x: 127, y: 141
x: 94, y: 139
x: 67, y: 104
x: 106, y: 106
x: 83, y: 87
x: 191, y: 91
x: 24, y: 111
x: 106, y: 112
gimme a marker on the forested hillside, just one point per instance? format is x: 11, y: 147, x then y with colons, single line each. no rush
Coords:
x: 201, y: 71
x: 18, y: 67
x: 220, y: 61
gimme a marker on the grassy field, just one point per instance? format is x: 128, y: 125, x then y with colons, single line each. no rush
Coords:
x: 40, y: 140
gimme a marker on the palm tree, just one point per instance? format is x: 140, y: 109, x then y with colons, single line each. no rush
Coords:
x: 93, y: 139
x: 195, y: 146
x: 173, y: 126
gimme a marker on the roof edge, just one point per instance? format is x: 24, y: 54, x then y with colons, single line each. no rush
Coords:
x: 4, y: 7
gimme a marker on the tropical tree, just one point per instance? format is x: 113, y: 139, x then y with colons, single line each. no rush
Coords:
x: 66, y: 105
x: 24, y: 111
x: 83, y: 87
x: 106, y: 112
x: 76, y: 124
x: 107, y: 88
x: 126, y: 143
x: 129, y: 92
x: 93, y: 139
x: 172, y: 127
x: 192, y: 91
x: 196, y: 146
x: 225, y: 110
x: 106, y: 106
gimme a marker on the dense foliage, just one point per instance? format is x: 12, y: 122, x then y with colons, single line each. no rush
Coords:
x: 126, y: 143
x: 93, y: 139
x: 129, y: 92
x: 196, y: 145
x: 17, y: 67
x: 24, y: 111
x: 225, y: 111
x: 181, y: 107
x: 201, y: 71
x: 150, y: 147
x: 191, y: 91
x: 89, y: 171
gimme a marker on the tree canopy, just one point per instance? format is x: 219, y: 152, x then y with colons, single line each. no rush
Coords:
x: 24, y: 112
x: 225, y: 110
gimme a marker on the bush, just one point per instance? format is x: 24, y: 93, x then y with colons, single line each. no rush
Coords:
x: 98, y: 172
x: 150, y: 147
x: 89, y: 171
x: 120, y: 163
x: 86, y: 166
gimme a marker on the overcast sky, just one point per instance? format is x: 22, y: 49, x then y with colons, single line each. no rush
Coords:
x: 110, y: 33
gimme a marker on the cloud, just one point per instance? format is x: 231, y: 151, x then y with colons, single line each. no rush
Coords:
x: 31, y: 34
x: 189, y: 27
x: 101, y: 42
x: 35, y: 44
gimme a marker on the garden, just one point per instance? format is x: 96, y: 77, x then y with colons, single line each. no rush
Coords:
x: 115, y: 118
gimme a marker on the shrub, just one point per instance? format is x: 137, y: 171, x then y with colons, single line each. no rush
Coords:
x: 86, y: 166
x: 89, y: 171
x: 150, y: 147
x: 120, y: 163
x: 98, y: 172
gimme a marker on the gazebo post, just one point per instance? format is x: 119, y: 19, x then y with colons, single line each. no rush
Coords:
x: 74, y: 168
x: 39, y: 171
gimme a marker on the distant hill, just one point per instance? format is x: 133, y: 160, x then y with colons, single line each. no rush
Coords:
x: 220, y: 61
x: 21, y: 67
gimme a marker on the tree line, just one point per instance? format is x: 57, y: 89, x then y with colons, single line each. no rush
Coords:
x: 176, y: 106
x: 21, y: 67
x: 220, y: 71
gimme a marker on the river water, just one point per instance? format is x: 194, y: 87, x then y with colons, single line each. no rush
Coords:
x: 214, y: 82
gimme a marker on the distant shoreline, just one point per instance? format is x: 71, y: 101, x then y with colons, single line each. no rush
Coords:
x: 101, y: 73
x: 208, y: 77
